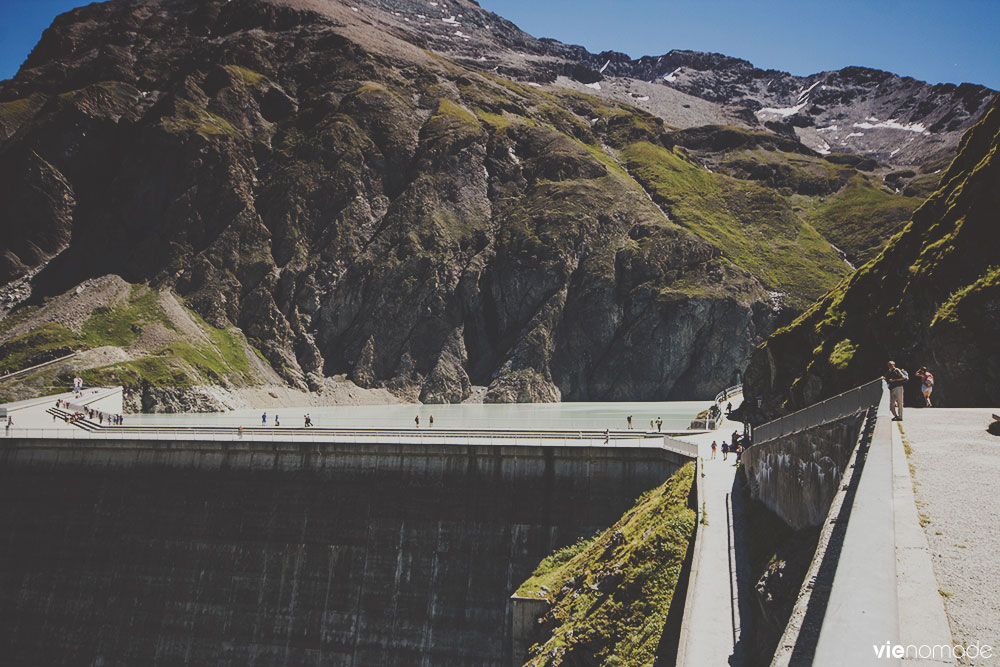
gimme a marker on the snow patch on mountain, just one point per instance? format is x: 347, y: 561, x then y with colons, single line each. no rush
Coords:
x: 802, y: 95
x: 673, y: 75
x: 891, y: 124
x: 783, y: 111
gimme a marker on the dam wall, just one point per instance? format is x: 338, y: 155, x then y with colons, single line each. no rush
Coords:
x: 157, y: 552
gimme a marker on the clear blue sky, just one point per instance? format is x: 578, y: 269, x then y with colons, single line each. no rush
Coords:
x: 932, y: 40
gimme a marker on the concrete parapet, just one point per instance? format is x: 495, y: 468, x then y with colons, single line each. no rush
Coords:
x: 796, y: 475
x: 841, y: 405
x: 645, y: 466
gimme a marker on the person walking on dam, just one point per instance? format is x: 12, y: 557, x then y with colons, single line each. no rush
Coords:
x: 896, y: 378
x: 715, y: 446
x: 263, y: 419
x: 659, y: 424
x: 926, y: 384
x: 629, y: 421
x: 416, y: 421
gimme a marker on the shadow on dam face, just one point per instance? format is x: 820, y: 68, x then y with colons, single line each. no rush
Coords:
x: 157, y: 554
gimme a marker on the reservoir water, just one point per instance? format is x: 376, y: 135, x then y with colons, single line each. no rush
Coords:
x: 676, y: 415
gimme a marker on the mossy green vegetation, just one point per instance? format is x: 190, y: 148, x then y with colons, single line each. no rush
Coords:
x: 218, y: 356
x: 151, y: 371
x: 756, y: 229
x: 611, y: 595
x: 966, y: 302
x: 449, y: 108
x: 15, y: 113
x: 247, y: 76
x: 44, y: 342
x: 860, y: 218
x: 189, y: 117
x: 789, y: 173
x: 842, y: 354
x: 121, y: 325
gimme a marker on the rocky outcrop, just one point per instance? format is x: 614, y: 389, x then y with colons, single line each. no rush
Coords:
x: 934, y: 294
x: 147, y: 398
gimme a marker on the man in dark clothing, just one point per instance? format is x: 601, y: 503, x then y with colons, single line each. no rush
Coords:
x: 895, y: 378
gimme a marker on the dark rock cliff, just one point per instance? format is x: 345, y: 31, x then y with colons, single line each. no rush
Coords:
x: 932, y: 297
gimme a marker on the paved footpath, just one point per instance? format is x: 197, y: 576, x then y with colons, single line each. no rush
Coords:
x: 956, y: 473
x: 714, y: 615
x: 31, y: 413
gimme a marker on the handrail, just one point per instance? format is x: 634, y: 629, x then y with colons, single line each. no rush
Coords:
x: 98, y: 439
x: 835, y: 407
x: 728, y: 391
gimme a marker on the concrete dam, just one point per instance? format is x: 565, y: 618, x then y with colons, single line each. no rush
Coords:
x: 204, y: 552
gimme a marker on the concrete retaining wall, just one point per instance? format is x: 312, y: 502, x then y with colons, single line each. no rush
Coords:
x: 797, y: 475
x: 173, y: 553
x: 525, y: 613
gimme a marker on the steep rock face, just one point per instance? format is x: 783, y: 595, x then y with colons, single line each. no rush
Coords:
x: 934, y: 294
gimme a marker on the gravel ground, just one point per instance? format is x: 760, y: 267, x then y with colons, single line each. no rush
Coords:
x: 955, y: 464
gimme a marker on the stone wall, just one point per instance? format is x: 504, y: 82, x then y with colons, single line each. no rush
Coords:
x: 796, y: 475
x: 173, y: 553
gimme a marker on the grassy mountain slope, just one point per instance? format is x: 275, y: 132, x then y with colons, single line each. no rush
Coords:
x: 130, y: 335
x: 931, y: 297
x: 610, y: 597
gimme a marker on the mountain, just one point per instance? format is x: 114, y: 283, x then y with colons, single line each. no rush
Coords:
x: 860, y: 110
x: 931, y: 297
x: 416, y: 197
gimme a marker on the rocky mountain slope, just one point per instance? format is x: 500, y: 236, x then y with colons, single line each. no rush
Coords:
x: 931, y: 297
x: 881, y: 115
x: 362, y: 190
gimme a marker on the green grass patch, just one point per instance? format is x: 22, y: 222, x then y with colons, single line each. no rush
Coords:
x: 755, y: 228
x: 15, y: 113
x: 611, y: 595
x: 182, y: 362
x: 189, y: 117
x: 608, y: 161
x: 449, y: 108
x: 248, y: 77
x: 16, y: 317
x: 965, y: 303
x: 43, y: 343
x: 862, y: 217
x: 153, y: 371
x: 121, y: 325
x: 842, y: 354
